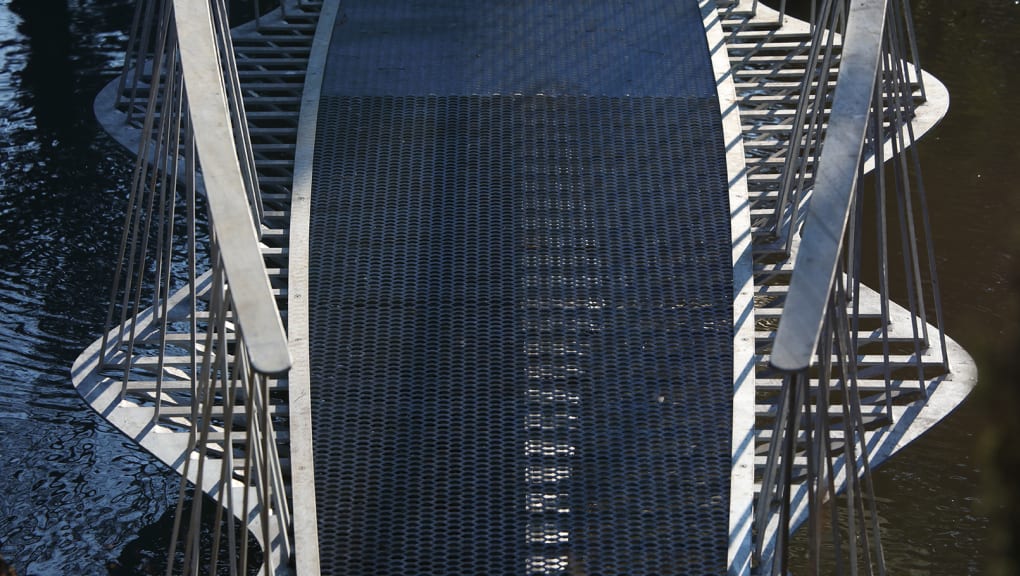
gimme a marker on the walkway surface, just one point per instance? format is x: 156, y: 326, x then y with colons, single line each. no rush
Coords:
x: 520, y: 274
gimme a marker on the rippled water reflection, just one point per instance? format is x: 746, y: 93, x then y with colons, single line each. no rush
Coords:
x: 73, y: 492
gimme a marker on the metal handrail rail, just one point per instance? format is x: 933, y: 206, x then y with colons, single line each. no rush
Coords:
x: 241, y: 303
x: 236, y: 233
x: 817, y: 347
x: 816, y: 306
x: 218, y: 130
x: 828, y: 212
x: 208, y: 348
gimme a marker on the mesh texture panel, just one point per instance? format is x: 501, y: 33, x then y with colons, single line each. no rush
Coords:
x: 521, y: 329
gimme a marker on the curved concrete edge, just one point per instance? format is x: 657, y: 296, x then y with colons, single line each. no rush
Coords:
x: 945, y: 394
x: 113, y: 121
x: 742, y: 435
x: 171, y: 446
x: 306, y: 538
x: 935, y: 107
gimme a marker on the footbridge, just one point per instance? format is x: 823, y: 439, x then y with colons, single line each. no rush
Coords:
x: 537, y: 288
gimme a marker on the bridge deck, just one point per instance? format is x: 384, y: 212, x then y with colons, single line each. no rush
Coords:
x: 521, y: 291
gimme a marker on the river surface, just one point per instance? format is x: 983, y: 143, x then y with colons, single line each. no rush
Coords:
x: 74, y: 493
x: 935, y: 504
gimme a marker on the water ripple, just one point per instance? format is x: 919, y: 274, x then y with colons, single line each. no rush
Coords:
x: 73, y: 491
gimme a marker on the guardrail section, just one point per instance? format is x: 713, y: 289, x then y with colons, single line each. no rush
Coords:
x: 856, y: 106
x: 192, y: 360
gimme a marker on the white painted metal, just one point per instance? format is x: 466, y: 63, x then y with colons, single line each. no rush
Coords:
x: 306, y: 531
x: 255, y: 306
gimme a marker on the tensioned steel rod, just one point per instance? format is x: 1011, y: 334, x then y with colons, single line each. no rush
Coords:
x: 826, y: 221
x: 238, y: 116
x: 882, y: 232
x: 807, y: 134
x: 142, y: 46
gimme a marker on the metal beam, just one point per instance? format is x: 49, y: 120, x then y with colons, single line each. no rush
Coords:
x: 835, y: 185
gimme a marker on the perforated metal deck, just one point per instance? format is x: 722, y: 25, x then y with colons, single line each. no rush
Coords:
x: 521, y: 291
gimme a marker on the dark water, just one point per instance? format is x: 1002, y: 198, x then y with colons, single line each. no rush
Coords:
x: 938, y: 502
x: 74, y: 493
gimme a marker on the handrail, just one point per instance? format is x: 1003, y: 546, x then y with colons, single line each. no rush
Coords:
x: 816, y: 304
x: 829, y: 210
x: 241, y: 305
x: 210, y: 348
x: 823, y: 334
x: 254, y: 304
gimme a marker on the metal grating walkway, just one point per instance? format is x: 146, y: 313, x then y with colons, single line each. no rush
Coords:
x: 520, y: 273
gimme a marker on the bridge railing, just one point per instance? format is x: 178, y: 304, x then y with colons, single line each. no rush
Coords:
x: 193, y: 315
x: 857, y: 103
x: 144, y: 32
